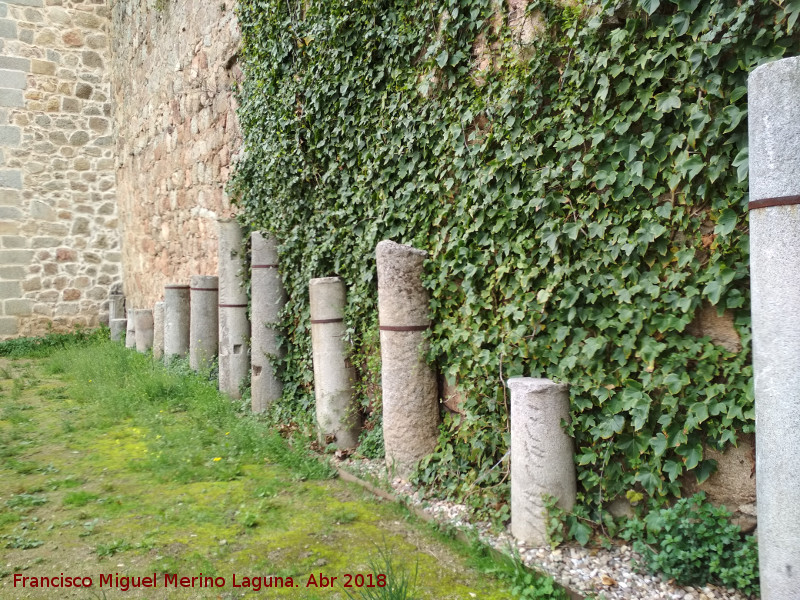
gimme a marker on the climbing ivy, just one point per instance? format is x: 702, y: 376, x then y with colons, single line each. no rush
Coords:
x: 582, y: 192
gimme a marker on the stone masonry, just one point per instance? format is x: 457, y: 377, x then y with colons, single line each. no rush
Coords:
x: 174, y: 64
x: 59, y: 242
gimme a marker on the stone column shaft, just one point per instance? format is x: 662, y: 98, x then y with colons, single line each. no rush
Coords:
x: 337, y: 413
x: 130, y: 331
x: 410, y: 387
x: 116, y: 307
x: 774, y: 162
x: 203, y: 321
x: 158, y: 330
x: 267, y: 299
x: 176, y: 321
x: 143, y: 319
x: 234, y: 326
x: 541, y: 455
x: 118, y: 329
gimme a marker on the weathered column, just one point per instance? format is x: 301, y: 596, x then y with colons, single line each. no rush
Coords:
x: 143, y: 320
x: 116, y: 307
x: 774, y: 149
x: 234, y: 326
x: 118, y: 329
x: 158, y: 330
x: 130, y: 331
x: 176, y: 321
x: 203, y: 321
x: 541, y: 455
x: 267, y: 298
x: 337, y: 413
x: 410, y: 388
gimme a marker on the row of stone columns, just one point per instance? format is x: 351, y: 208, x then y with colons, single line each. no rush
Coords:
x: 210, y: 315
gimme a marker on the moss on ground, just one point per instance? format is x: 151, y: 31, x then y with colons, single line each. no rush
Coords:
x: 136, y: 476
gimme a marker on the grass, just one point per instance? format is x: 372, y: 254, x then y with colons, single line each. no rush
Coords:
x: 110, y: 462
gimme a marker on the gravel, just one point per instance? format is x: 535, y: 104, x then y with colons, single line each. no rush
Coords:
x: 606, y: 573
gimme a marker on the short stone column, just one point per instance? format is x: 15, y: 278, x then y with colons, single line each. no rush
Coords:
x: 203, y: 321
x: 337, y: 413
x: 542, y: 460
x: 116, y: 307
x: 176, y: 321
x: 410, y: 386
x: 130, y: 330
x: 234, y: 326
x: 158, y: 330
x: 774, y: 161
x: 143, y: 319
x: 118, y: 329
x: 267, y: 300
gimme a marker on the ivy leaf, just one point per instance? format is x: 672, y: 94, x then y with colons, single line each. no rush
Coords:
x: 649, y: 482
x: 441, y: 60
x: 667, y: 102
x: 581, y: 532
x: 649, y: 6
x: 673, y: 469
x: 726, y: 222
x: 659, y: 444
x: 681, y: 23
x: 742, y: 164
x: 705, y: 469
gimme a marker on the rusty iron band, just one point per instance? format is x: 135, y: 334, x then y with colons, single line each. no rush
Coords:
x: 403, y: 327
x: 322, y: 321
x: 777, y: 201
x: 204, y: 289
x: 263, y: 266
x: 176, y: 287
x: 232, y: 305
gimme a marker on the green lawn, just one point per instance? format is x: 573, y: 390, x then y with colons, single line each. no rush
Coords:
x: 113, y: 467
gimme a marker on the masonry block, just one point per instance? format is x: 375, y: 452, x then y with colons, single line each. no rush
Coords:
x: 9, y: 325
x: 18, y: 307
x: 13, y: 79
x: 8, y: 29
x: 15, y: 63
x: 11, y: 98
x: 10, y: 289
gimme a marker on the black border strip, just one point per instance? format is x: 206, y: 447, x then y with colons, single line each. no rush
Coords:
x: 321, y: 321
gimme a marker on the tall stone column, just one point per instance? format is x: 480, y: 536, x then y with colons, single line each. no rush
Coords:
x: 410, y: 387
x: 118, y: 329
x: 774, y: 128
x: 176, y: 321
x: 143, y: 319
x: 337, y: 413
x: 541, y: 455
x: 158, y: 330
x: 234, y: 326
x: 130, y: 331
x: 203, y: 321
x: 268, y: 299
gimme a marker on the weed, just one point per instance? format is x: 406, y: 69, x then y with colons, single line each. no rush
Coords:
x: 343, y: 516
x: 398, y: 583
x: 20, y: 542
x: 112, y: 548
x: 79, y: 498
x: 25, y: 500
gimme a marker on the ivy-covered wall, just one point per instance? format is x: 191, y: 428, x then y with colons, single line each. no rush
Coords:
x: 578, y: 173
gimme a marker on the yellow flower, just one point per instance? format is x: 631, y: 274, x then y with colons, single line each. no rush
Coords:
x: 218, y: 458
x: 227, y: 433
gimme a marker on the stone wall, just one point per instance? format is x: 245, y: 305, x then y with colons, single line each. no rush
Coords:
x: 174, y: 63
x: 59, y: 246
